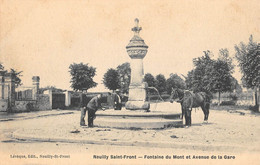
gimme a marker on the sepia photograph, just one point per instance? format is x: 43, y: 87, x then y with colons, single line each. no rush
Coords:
x: 129, y: 82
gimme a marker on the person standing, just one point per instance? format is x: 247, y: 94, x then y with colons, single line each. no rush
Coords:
x: 118, y: 101
x: 83, y: 105
x: 93, y: 105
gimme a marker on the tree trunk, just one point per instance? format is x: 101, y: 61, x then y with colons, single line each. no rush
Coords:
x: 257, y: 99
x: 219, y: 98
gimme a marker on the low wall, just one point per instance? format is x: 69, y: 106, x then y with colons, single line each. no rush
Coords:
x: 24, y: 105
x: 43, y: 102
x: 245, y: 102
x: 3, y: 105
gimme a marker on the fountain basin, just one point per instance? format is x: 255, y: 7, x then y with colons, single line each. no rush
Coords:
x: 162, y: 117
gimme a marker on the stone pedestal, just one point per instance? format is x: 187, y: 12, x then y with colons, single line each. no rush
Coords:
x: 9, y: 79
x: 36, y: 85
x: 137, y: 97
x: 67, y: 98
x: 137, y: 50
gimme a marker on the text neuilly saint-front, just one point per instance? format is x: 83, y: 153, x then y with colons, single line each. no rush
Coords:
x: 106, y: 157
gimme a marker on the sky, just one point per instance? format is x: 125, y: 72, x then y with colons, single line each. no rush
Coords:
x: 43, y: 37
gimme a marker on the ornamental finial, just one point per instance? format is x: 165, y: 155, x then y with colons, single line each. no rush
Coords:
x: 136, y: 29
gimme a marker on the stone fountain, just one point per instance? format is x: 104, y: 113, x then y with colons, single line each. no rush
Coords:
x: 135, y: 114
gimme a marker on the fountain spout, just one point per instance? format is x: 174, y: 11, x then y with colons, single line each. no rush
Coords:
x: 157, y: 92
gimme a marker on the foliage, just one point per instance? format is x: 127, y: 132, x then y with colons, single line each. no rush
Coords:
x: 233, y: 96
x: 211, y: 75
x: 231, y: 102
x: 199, y: 78
x: 235, y: 86
x: 220, y: 78
x: 148, y: 77
x: 248, y: 58
x: 124, y: 72
x: 156, y: 98
x: 174, y: 81
x: 82, y: 76
x: 17, y: 75
x: 111, y: 79
x: 1, y: 67
x: 53, y: 88
x: 189, y: 80
x: 160, y: 83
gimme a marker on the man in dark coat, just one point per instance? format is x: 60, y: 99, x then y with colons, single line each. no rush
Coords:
x: 117, y: 101
x: 83, y: 105
x: 93, y: 105
x: 83, y: 101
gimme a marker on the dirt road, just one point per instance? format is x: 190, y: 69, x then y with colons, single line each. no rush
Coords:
x: 234, y: 137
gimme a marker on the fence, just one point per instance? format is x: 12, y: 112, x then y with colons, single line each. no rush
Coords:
x: 25, y: 93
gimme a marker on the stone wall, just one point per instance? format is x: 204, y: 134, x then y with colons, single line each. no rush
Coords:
x: 3, y: 104
x: 24, y: 105
x: 43, y: 102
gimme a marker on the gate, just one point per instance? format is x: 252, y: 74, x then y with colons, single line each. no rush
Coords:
x: 58, y: 100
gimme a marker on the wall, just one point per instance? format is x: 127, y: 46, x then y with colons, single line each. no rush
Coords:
x: 24, y: 105
x: 43, y: 102
x: 74, y: 99
x: 244, y: 98
x: 3, y: 104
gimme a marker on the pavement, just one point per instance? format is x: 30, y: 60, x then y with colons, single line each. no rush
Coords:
x: 4, y: 116
x: 220, y: 134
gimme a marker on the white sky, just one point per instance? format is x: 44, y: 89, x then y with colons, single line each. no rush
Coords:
x: 44, y: 37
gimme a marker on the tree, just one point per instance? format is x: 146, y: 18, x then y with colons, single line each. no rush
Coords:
x: 221, y: 76
x: 17, y: 75
x: 1, y: 67
x: 2, y: 70
x: 111, y: 79
x: 198, y: 79
x: 82, y: 76
x: 174, y: 81
x: 124, y: 72
x: 148, y: 77
x: 53, y: 88
x: 160, y: 83
x: 211, y: 75
x: 235, y: 85
x: 189, y: 80
x: 248, y: 56
x: 14, y: 73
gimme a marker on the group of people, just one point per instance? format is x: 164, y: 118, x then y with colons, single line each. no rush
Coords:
x: 93, y: 105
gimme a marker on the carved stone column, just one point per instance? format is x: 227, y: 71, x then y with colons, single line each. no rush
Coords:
x: 137, y: 50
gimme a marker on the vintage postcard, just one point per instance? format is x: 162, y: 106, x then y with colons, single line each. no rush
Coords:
x: 129, y: 82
